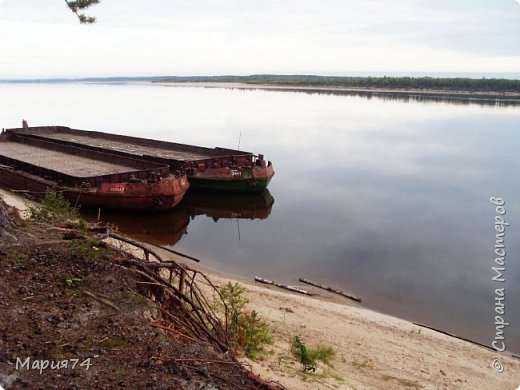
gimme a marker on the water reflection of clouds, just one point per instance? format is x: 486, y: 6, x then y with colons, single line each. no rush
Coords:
x: 399, y: 261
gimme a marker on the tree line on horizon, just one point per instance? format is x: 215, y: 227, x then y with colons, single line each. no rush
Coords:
x: 445, y: 83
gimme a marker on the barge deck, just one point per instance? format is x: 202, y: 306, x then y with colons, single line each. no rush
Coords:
x: 86, y: 177
x: 72, y: 165
x: 207, y: 168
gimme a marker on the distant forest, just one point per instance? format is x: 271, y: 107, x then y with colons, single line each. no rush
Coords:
x: 452, y: 84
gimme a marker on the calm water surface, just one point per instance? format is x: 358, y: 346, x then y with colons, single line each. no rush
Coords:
x: 385, y: 198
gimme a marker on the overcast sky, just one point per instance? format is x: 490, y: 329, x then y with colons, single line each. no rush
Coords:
x: 42, y: 38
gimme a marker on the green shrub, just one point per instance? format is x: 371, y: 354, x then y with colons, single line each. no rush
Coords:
x: 54, y: 208
x: 82, y: 224
x: 299, y: 349
x: 324, y: 354
x: 308, y: 357
x: 253, y: 334
x: 232, y: 294
x: 248, y: 333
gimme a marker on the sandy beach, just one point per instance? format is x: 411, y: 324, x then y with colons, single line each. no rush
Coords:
x: 373, y: 350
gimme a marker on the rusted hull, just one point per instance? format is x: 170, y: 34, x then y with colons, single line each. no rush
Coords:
x: 246, y: 186
x: 215, y: 169
x: 162, y: 195
x: 253, y: 179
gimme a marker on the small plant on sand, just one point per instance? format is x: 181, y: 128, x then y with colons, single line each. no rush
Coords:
x: 299, y: 350
x: 82, y: 224
x: 308, y: 357
x: 248, y: 333
x: 54, y: 208
x: 71, y: 282
x: 89, y: 248
x: 20, y: 258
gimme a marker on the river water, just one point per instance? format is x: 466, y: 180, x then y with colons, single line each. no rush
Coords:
x: 385, y: 198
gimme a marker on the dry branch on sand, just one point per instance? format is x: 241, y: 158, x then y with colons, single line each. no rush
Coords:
x: 185, y: 307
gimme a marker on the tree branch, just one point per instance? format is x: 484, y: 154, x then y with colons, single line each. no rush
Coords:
x: 80, y: 5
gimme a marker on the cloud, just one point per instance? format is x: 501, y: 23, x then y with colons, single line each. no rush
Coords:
x: 295, y: 36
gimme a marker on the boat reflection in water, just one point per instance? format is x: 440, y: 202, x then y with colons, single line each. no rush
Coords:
x: 229, y: 205
x: 167, y: 228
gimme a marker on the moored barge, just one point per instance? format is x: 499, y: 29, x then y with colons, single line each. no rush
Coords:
x: 87, y: 177
x: 207, y: 168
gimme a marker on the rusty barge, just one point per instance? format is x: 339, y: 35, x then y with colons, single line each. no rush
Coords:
x: 207, y: 168
x: 87, y: 177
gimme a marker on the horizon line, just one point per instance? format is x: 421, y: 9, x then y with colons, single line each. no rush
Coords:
x: 478, y: 75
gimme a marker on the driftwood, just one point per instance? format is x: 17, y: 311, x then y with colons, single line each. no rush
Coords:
x: 334, y: 290
x: 290, y: 288
x: 147, y: 251
x: 454, y: 336
x: 175, y: 252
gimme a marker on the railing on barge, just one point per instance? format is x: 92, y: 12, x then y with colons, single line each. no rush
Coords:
x: 167, y: 145
x: 216, y: 157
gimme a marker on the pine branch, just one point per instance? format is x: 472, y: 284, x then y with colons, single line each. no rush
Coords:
x: 80, y: 5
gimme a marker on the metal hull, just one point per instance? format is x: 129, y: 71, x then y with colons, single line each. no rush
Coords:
x: 163, y: 195
x: 245, y: 186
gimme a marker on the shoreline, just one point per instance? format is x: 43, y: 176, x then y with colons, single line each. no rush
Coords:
x: 428, y: 93
x: 434, y: 94
x: 373, y: 350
